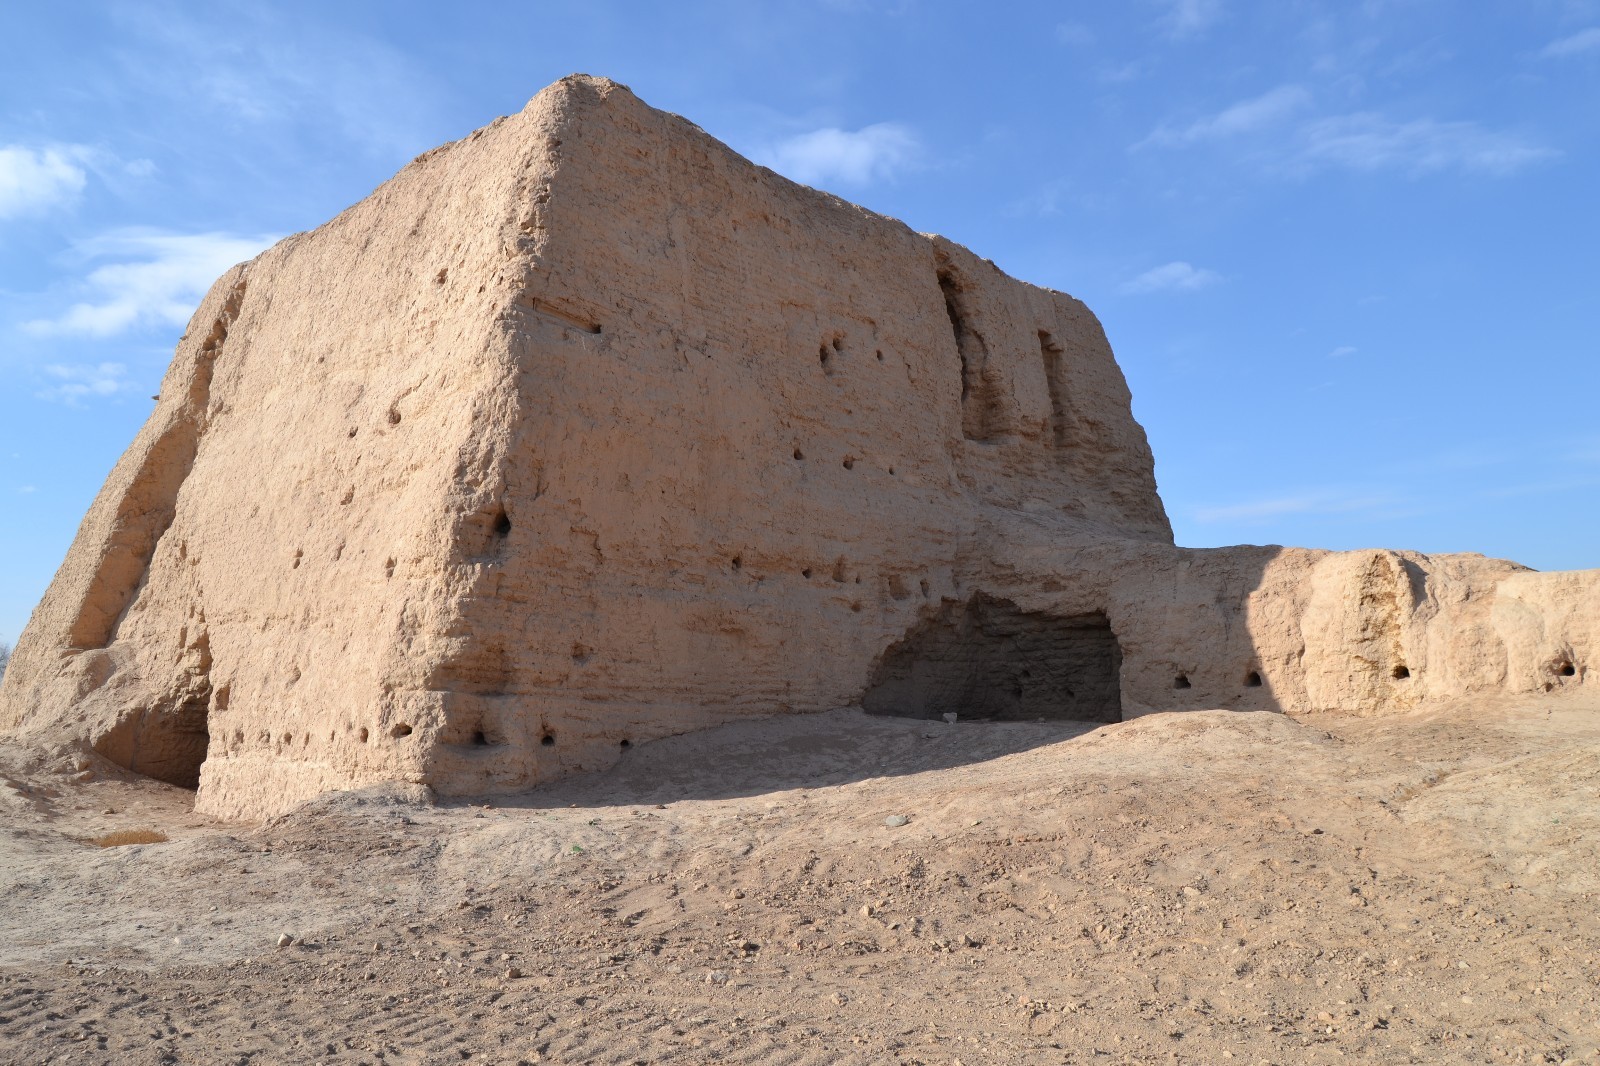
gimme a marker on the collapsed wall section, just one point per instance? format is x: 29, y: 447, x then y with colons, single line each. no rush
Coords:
x: 1309, y: 632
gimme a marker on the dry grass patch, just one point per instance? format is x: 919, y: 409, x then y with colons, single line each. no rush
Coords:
x: 124, y: 837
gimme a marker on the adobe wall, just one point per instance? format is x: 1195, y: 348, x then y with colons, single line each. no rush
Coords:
x: 584, y: 430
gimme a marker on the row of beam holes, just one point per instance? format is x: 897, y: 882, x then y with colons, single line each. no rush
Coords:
x: 1401, y: 672
x: 1253, y: 678
x: 849, y: 462
x: 838, y: 576
x: 479, y: 737
x: 399, y: 731
x: 548, y: 740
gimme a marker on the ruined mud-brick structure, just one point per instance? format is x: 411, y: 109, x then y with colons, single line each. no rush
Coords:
x: 585, y: 430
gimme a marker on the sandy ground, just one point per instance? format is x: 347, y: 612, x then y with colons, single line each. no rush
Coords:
x: 1199, y: 888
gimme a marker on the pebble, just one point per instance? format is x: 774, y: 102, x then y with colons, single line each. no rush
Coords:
x: 716, y: 977
x: 866, y: 910
x: 512, y: 973
x: 970, y: 941
x: 895, y: 821
x: 284, y: 940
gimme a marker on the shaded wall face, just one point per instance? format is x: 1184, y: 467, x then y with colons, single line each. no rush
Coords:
x: 987, y: 660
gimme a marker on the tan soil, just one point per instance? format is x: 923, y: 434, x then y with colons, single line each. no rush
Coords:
x: 1181, y: 888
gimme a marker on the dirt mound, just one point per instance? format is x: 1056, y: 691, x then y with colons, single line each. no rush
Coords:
x: 1181, y: 888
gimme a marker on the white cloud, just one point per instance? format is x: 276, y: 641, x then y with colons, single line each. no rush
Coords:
x: 74, y: 384
x: 1371, y: 142
x: 1583, y: 41
x: 1246, y: 116
x: 151, y: 279
x: 873, y: 153
x: 1342, y: 351
x: 1187, y: 18
x: 1179, y: 276
x: 34, y: 180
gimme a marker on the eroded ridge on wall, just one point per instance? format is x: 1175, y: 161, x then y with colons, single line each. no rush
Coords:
x: 146, y: 510
x: 166, y: 734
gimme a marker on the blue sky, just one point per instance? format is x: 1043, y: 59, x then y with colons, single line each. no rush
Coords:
x: 1348, y: 253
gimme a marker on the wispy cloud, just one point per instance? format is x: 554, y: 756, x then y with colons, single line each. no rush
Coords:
x: 1588, y: 451
x: 1370, y: 142
x: 255, y: 66
x: 37, y: 179
x: 1244, y: 117
x: 1189, y: 18
x: 1583, y: 41
x: 1178, y: 275
x: 147, y: 278
x: 1321, y: 501
x: 1074, y: 33
x: 72, y: 385
x: 1363, y: 141
x: 1044, y: 201
x: 1342, y: 351
x: 873, y: 153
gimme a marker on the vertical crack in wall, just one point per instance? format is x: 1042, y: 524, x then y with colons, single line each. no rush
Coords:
x: 980, y: 395
x: 1055, y: 370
